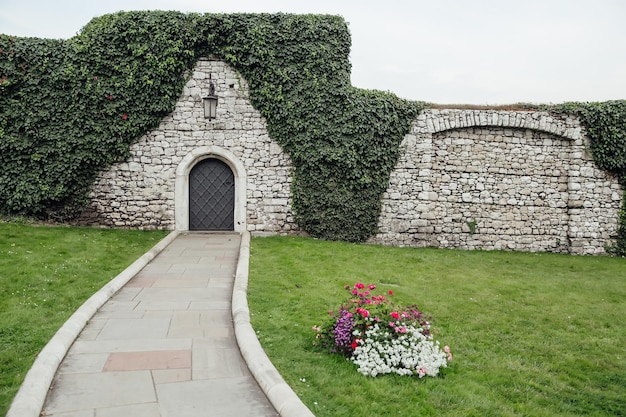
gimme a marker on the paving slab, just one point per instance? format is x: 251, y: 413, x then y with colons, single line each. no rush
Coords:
x: 215, y: 397
x: 87, y: 391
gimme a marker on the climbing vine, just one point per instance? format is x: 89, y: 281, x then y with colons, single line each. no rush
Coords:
x: 606, y: 127
x: 605, y: 124
x: 74, y: 107
x: 343, y: 141
x: 71, y: 108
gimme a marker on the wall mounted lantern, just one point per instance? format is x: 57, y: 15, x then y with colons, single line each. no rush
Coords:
x: 210, y: 102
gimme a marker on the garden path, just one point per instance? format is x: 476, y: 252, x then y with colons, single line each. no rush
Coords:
x: 164, y: 345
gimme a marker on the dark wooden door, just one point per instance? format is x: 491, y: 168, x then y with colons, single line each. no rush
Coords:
x: 211, y: 196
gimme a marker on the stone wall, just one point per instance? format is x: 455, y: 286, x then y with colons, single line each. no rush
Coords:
x: 473, y: 179
x: 486, y: 179
x: 150, y: 190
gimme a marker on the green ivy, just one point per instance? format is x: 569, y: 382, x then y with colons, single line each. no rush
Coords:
x: 606, y: 127
x: 69, y: 109
x: 72, y: 108
x: 605, y: 123
x: 343, y: 141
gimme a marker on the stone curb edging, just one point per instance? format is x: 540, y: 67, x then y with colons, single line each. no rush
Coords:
x: 282, y: 397
x: 30, y: 398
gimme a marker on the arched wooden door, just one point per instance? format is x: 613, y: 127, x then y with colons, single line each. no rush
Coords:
x: 211, y: 196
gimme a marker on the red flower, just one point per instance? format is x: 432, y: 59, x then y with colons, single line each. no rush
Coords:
x: 395, y: 315
x: 124, y: 116
x: 355, y: 343
x: 109, y: 97
x: 359, y: 286
x: 390, y: 292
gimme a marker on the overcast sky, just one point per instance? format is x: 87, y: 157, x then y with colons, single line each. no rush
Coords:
x: 441, y: 51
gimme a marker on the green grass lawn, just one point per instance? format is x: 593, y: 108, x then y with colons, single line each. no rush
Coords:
x: 531, y: 334
x: 46, y: 273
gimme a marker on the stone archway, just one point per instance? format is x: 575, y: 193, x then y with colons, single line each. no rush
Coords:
x: 182, y: 187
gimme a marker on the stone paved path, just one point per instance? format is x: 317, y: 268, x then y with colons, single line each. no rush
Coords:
x: 164, y: 345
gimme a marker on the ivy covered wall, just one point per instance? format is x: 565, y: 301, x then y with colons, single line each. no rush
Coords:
x: 71, y: 108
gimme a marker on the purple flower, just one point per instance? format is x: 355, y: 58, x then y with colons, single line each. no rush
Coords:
x: 343, y: 330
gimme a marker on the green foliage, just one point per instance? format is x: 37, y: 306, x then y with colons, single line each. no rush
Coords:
x: 524, y: 328
x: 343, y: 141
x: 71, y: 108
x: 606, y: 127
x: 349, y: 167
x: 46, y: 273
x: 605, y: 123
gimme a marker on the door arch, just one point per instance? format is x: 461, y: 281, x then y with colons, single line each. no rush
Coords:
x: 181, y: 187
x: 211, y: 196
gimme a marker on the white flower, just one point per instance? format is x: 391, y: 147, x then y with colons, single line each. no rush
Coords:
x: 412, y: 353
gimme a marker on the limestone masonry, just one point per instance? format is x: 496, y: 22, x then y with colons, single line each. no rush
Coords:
x: 487, y: 179
x: 473, y: 179
x: 142, y: 192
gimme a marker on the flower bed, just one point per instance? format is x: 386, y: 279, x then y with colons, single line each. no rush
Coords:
x: 380, y: 338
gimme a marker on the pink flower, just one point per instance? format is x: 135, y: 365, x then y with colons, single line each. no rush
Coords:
x: 392, y: 324
x: 124, y: 116
x: 446, y: 349
x: 371, y: 287
x: 421, y: 372
x: 359, y: 286
x: 395, y: 315
x: 355, y: 292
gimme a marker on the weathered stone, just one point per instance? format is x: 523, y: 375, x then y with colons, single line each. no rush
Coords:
x: 513, y: 174
x: 151, y: 173
x: 524, y: 177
